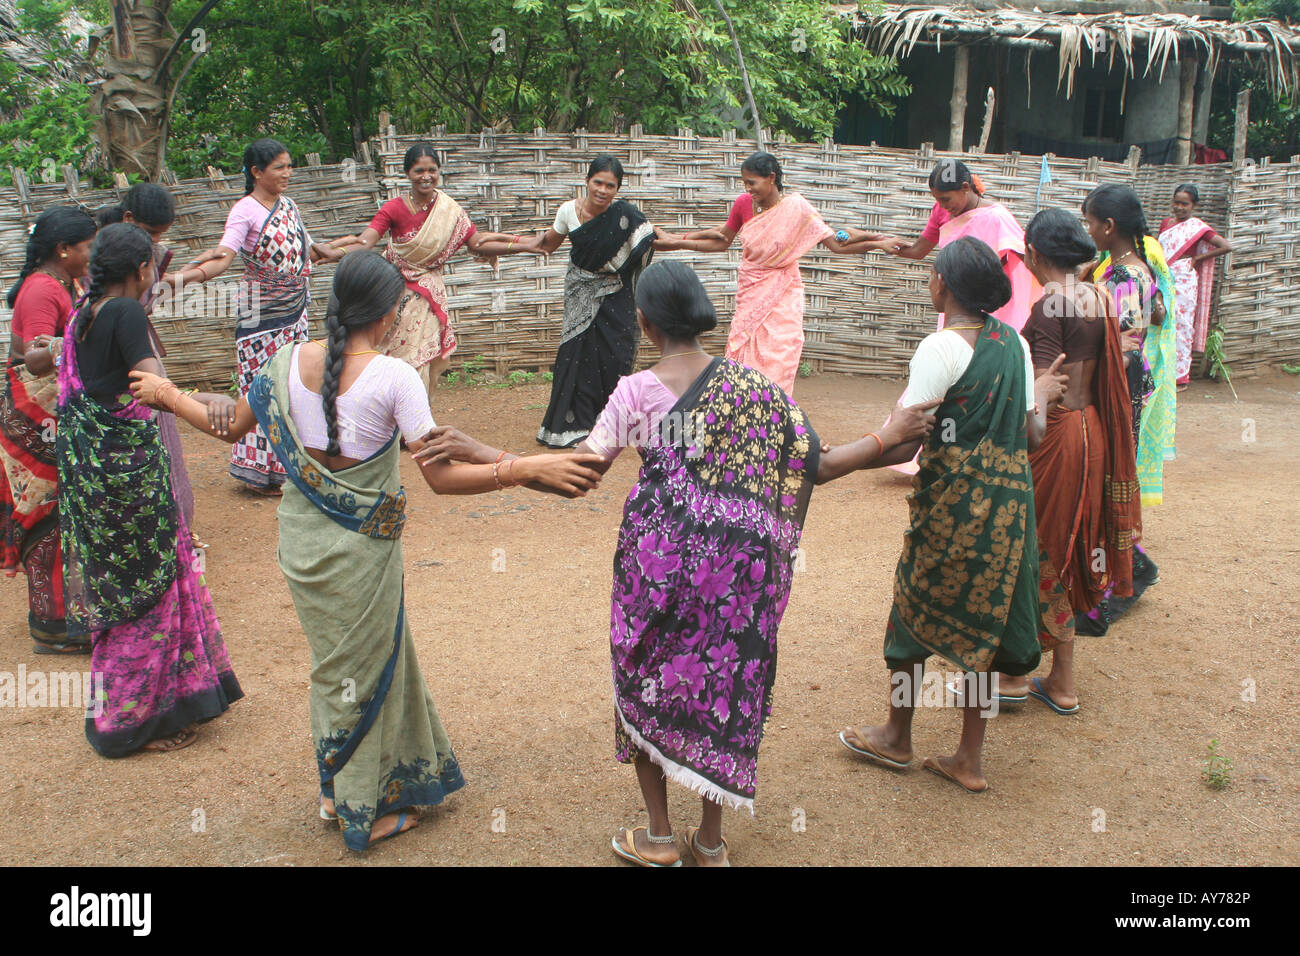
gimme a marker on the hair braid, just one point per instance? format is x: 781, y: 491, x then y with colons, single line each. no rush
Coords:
x: 329, y: 390
x: 98, y: 280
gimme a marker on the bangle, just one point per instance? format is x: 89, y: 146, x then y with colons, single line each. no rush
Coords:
x: 499, y: 457
x: 510, y: 469
x: 879, y: 442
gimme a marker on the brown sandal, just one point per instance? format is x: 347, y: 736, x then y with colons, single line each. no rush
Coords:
x: 705, y: 857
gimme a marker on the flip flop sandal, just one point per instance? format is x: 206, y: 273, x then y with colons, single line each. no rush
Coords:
x: 64, y: 647
x: 701, y: 854
x: 955, y: 690
x: 874, y: 756
x: 1041, y: 694
x: 628, y: 850
x: 326, y: 815
x: 935, y: 767
x: 396, y: 831
x: 177, y: 741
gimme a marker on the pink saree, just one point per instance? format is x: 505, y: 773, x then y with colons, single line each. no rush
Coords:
x: 1193, y: 285
x: 767, y: 329
x: 990, y: 222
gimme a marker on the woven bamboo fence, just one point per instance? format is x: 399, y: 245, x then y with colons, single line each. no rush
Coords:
x: 198, y: 332
x: 864, y: 315
x: 1260, y: 303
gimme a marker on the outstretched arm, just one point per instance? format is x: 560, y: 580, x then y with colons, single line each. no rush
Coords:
x: 215, y: 415
x: 917, y: 249
x: 716, y: 240
x: 895, y: 443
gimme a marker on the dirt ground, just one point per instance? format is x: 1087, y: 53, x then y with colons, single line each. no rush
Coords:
x: 518, y: 662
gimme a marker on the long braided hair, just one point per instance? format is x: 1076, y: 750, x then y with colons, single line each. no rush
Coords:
x: 366, y: 288
x: 119, y: 250
x: 1122, y: 205
x: 56, y: 226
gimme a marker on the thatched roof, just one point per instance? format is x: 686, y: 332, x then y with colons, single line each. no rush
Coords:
x: 1145, y: 42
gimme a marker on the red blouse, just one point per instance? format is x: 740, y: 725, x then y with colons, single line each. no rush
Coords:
x: 41, y: 308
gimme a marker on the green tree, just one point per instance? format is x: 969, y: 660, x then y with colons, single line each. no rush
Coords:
x: 1274, y: 120
x: 44, y: 122
x: 516, y: 64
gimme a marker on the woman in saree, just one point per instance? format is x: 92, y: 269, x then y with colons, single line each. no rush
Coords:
x: 152, y: 208
x: 610, y: 242
x: 132, y: 582
x: 58, y: 252
x: 966, y: 588
x: 1190, y: 248
x: 1132, y: 270
x: 266, y: 231
x: 776, y: 230
x: 704, y: 562
x: 427, y: 228
x: 962, y: 209
x: 1086, y: 503
x: 333, y: 412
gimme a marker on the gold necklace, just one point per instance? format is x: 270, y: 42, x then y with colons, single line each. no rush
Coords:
x: 364, y: 352
x: 664, y: 358
x: 957, y: 328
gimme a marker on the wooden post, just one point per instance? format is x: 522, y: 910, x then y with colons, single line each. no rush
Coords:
x: 960, y: 74
x: 1243, y: 124
x: 1186, y: 100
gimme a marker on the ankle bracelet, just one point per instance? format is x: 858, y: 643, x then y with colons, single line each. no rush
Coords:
x: 659, y: 839
x: 714, y: 852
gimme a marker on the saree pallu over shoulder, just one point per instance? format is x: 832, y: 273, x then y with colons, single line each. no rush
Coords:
x: 702, y: 575
x: 369, y: 511
x: 274, y: 292
x: 967, y: 580
x: 28, y: 471
x: 993, y: 224
x: 1155, y: 441
x: 605, y: 253
x: 132, y: 580
x: 423, y: 329
x: 769, y: 287
x: 381, y: 747
x: 599, y: 337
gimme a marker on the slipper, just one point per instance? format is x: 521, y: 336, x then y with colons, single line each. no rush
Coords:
x: 63, y: 647
x: 933, y: 765
x: 1002, y: 698
x: 399, y: 829
x: 326, y: 815
x: 1041, y: 694
x: 700, y: 855
x: 628, y: 850
x: 874, y: 756
x: 177, y: 741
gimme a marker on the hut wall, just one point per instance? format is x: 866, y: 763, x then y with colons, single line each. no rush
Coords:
x: 863, y: 315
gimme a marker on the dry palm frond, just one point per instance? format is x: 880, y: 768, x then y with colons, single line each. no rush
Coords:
x: 1145, y: 41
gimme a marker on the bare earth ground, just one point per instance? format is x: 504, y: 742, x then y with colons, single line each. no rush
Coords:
x: 518, y: 663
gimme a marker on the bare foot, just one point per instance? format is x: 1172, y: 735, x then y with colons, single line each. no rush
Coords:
x: 177, y: 741
x: 665, y: 854
x: 386, y: 825
x: 972, y: 778
x: 877, y: 740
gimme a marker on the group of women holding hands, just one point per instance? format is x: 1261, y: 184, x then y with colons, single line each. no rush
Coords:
x: 1053, y: 372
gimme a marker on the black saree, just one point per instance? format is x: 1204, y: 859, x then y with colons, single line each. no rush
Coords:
x: 599, y: 339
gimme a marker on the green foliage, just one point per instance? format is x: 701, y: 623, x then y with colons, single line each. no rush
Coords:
x: 1287, y: 11
x: 1214, y: 354
x: 311, y: 76
x: 563, y: 64
x: 805, y: 369
x: 44, y: 123
x: 1217, y: 773
x: 1291, y: 369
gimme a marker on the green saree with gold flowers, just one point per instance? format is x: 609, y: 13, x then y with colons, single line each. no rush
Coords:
x: 966, y: 588
x: 380, y: 746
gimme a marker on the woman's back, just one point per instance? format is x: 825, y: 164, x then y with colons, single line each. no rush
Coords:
x: 374, y: 398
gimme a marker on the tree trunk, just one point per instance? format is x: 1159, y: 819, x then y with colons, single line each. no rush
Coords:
x: 133, y: 103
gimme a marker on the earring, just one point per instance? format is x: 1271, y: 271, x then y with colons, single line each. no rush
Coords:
x: 63, y: 255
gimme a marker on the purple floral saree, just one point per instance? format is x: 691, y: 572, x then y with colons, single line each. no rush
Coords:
x: 702, y: 575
